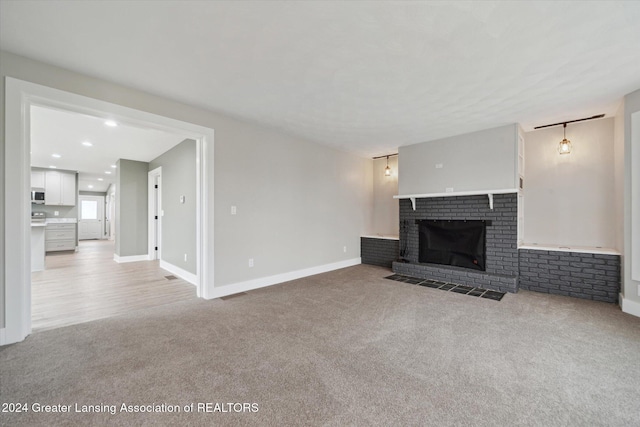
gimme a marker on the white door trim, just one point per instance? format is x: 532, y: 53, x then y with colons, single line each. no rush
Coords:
x: 19, y: 97
x: 155, y: 208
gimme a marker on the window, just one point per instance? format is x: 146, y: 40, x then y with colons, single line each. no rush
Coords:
x: 89, y: 209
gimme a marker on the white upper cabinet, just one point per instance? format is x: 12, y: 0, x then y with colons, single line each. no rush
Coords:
x: 68, y: 196
x: 37, y: 179
x: 60, y: 188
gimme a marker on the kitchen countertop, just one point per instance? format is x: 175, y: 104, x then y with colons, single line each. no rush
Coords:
x: 38, y: 224
x: 61, y: 220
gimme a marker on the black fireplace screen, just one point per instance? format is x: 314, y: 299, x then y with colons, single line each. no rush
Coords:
x: 458, y: 243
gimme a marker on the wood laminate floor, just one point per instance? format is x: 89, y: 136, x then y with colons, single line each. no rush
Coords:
x: 81, y: 286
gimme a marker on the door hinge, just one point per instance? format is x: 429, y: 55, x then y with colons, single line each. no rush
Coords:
x: 156, y: 248
x: 156, y: 217
x: 156, y: 185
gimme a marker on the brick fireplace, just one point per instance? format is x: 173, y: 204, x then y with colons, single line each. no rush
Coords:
x: 501, y: 239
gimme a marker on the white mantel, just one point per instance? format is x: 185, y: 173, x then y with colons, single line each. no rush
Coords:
x: 488, y: 193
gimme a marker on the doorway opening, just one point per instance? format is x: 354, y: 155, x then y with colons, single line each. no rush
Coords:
x: 20, y: 97
x: 155, y: 214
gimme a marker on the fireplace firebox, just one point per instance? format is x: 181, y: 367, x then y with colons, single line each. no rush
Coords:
x: 458, y: 243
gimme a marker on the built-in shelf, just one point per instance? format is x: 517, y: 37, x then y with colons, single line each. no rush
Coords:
x: 578, y: 249
x: 488, y: 193
x: 380, y: 236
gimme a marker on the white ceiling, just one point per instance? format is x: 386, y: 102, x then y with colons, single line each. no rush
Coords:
x: 363, y: 76
x: 62, y: 133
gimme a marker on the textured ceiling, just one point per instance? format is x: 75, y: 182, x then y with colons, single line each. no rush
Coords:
x: 363, y: 76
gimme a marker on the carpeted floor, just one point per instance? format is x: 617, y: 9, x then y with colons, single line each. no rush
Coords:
x: 341, y: 348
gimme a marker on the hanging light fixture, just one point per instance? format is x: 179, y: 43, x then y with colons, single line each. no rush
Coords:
x: 565, y: 145
x: 387, y: 169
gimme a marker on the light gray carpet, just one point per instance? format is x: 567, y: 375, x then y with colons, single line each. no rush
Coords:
x: 342, y: 348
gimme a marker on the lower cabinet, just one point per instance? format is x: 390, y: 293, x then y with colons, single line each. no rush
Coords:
x: 60, y: 237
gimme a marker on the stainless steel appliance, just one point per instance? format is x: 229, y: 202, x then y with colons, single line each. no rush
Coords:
x: 37, y: 196
x: 38, y: 217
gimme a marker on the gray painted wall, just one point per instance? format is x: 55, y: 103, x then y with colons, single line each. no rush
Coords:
x: 631, y: 287
x: 299, y: 203
x: 478, y: 161
x: 131, y: 207
x: 618, y: 176
x: 179, y: 220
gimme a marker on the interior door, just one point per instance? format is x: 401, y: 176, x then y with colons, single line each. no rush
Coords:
x: 91, y: 217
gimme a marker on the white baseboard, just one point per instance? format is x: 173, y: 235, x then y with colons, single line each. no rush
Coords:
x: 132, y: 258
x: 280, y: 278
x: 177, y: 271
x: 629, y: 307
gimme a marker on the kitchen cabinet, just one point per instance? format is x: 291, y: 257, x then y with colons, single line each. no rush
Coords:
x: 60, y: 237
x: 60, y: 188
x: 37, y: 179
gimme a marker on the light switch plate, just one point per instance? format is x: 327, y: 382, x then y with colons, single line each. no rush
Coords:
x: 439, y: 165
x: 233, y: 210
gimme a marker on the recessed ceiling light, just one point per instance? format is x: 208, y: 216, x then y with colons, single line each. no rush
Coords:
x: 90, y: 186
x: 107, y: 172
x: 56, y: 156
x: 53, y: 167
x: 100, y: 179
x: 113, y: 166
x: 111, y: 123
x: 87, y: 144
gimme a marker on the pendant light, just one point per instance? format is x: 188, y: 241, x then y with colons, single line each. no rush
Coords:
x: 565, y: 145
x: 387, y: 169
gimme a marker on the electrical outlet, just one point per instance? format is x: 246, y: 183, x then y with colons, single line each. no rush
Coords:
x: 449, y: 189
x: 182, y: 198
x: 185, y: 257
x: 344, y: 249
x: 233, y: 210
x: 439, y: 165
x: 250, y: 262
x: 56, y: 213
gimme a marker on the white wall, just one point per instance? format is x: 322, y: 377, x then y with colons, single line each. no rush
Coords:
x: 386, y: 209
x: 299, y: 203
x: 478, y: 161
x: 570, y: 198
